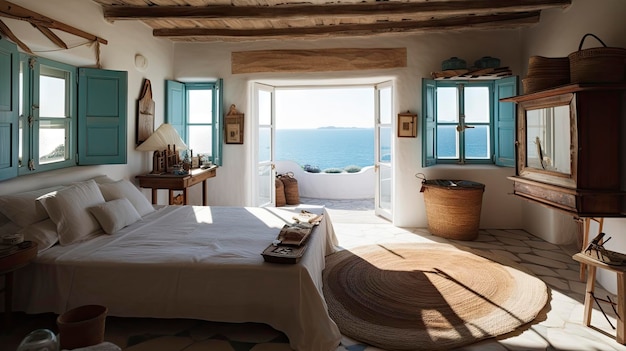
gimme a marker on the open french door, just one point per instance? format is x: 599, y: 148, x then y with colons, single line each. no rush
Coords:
x: 383, y: 150
x: 264, y: 182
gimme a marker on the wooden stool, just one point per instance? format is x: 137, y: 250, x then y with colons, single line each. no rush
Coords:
x: 592, y: 265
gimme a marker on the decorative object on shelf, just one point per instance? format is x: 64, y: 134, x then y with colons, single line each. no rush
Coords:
x: 545, y: 73
x: 597, y: 65
x: 487, y: 62
x: 407, y: 125
x: 453, y: 63
x: 233, y: 126
x: 165, y: 142
x: 145, y: 113
x: 465, y: 74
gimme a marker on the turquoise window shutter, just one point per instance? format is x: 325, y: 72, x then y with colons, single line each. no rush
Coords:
x: 102, y: 116
x: 504, y: 122
x: 429, y: 123
x: 218, y: 131
x: 9, y: 122
x: 175, y: 106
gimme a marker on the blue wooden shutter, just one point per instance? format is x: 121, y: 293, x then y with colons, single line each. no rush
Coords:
x: 175, y: 103
x: 429, y: 122
x: 218, y: 116
x: 9, y: 122
x: 504, y: 122
x: 102, y: 120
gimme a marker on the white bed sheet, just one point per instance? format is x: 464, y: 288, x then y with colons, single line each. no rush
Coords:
x: 191, y: 262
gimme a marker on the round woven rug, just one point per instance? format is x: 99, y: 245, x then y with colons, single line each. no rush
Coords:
x: 426, y: 296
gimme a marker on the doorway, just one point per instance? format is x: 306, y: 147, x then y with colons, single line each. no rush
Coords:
x: 325, y: 129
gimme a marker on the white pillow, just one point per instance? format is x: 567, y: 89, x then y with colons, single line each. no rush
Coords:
x: 115, y: 214
x: 125, y: 189
x: 68, y: 210
x: 43, y: 233
x: 23, y: 209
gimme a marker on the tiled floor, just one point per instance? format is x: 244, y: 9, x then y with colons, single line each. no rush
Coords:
x: 558, y: 327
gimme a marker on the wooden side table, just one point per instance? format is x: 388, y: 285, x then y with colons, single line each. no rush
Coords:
x: 592, y: 265
x: 8, y: 265
x: 174, y: 182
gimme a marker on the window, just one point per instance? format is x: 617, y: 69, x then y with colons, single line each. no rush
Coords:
x: 54, y: 115
x: 47, y: 114
x: 195, y: 110
x: 464, y: 122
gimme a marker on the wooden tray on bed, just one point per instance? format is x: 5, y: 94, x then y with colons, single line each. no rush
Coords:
x: 283, y: 253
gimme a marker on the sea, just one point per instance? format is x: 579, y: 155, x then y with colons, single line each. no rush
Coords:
x: 327, y: 147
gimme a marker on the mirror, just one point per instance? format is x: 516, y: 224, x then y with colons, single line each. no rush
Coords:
x: 548, y: 139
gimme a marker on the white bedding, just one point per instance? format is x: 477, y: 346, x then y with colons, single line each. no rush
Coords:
x: 191, y: 262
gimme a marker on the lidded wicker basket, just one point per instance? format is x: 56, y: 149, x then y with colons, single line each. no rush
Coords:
x: 453, y: 207
x: 597, y: 65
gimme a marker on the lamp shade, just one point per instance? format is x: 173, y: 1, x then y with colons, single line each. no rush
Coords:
x: 162, y: 137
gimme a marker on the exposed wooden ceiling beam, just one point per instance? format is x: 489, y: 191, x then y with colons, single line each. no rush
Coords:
x: 10, y: 10
x: 4, y: 29
x: 488, y: 21
x: 50, y: 35
x: 441, y: 8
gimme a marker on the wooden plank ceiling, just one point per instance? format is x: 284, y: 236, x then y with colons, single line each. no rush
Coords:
x: 250, y: 20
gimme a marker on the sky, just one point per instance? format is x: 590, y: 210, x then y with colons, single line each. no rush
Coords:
x: 325, y: 107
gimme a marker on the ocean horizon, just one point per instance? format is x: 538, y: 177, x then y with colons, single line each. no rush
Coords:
x: 331, y: 147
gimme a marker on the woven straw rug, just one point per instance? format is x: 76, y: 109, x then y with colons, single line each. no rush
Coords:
x: 422, y: 296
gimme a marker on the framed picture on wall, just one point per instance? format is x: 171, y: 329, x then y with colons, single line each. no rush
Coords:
x: 233, y: 126
x: 407, y: 125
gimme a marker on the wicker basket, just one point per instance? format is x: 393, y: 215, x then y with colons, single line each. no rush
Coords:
x: 292, y: 195
x: 545, y: 73
x: 453, y: 207
x: 597, y: 65
x: 82, y: 326
x: 280, y: 193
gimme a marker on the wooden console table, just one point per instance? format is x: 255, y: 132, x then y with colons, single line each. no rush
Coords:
x: 177, y: 182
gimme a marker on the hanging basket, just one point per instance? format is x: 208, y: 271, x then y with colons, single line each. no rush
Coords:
x: 597, y: 65
x: 292, y: 195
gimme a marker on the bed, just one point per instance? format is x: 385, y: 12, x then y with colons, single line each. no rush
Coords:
x: 196, y: 262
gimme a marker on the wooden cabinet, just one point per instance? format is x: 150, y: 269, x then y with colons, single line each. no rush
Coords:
x: 571, y: 148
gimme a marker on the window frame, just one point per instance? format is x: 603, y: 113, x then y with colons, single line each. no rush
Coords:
x: 501, y: 122
x: 30, y: 93
x: 177, y: 102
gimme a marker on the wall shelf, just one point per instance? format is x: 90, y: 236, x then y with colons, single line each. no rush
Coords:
x: 473, y: 73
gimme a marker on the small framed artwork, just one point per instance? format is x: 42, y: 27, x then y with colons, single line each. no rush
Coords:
x: 233, y: 126
x: 407, y: 125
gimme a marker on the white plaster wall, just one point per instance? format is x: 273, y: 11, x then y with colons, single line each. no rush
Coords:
x: 125, y: 39
x: 340, y: 186
x: 558, y: 35
x: 425, y: 53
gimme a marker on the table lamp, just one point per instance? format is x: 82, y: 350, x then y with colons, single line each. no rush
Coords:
x: 165, y: 142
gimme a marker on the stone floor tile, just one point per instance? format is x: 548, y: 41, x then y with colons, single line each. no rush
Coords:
x: 507, y: 254
x: 512, y: 242
x: 543, y: 245
x: 249, y: 332
x: 555, y: 282
x: 519, y: 249
x: 575, y: 339
x: 547, y: 262
x: 529, y: 340
x: 555, y: 255
x: 540, y: 270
